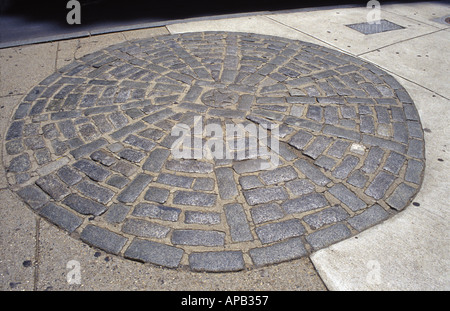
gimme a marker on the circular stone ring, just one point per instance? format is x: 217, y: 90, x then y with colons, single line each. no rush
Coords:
x: 216, y: 151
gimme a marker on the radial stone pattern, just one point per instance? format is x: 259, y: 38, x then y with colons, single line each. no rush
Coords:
x: 90, y: 149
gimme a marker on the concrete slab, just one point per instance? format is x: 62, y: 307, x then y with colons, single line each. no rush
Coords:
x: 18, y: 244
x: 425, y: 12
x: 254, y: 24
x: 330, y: 27
x: 430, y: 55
x: 23, y: 67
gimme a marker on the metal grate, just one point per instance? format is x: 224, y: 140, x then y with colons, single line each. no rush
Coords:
x: 368, y: 29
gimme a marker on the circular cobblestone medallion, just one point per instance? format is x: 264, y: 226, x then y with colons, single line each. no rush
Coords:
x: 90, y: 149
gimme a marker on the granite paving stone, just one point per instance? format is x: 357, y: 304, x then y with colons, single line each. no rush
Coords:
x: 92, y: 149
x: 278, y: 252
x: 279, y: 230
x: 61, y: 217
x: 103, y: 239
x: 238, y: 223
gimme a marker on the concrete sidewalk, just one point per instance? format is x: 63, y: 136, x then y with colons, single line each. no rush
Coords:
x: 410, y: 251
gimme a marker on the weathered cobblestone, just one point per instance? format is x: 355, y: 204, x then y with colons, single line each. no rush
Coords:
x: 279, y: 231
x: 217, y: 261
x: 61, y: 217
x: 278, y: 252
x: 198, y: 237
x: 92, y: 144
x: 103, y: 239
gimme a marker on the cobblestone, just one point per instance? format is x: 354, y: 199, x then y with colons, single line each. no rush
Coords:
x: 279, y: 231
x: 278, y: 252
x: 103, y: 239
x: 61, y: 217
x: 90, y: 149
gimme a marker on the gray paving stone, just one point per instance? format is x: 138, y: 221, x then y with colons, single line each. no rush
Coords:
x: 103, y: 239
x: 139, y: 142
x: 278, y: 175
x: 88, y: 148
x: 327, y: 216
x: 238, y: 223
x: 33, y: 196
x: 204, y: 183
x: 345, y: 167
x: 338, y: 149
x: 394, y: 162
x: 189, y: 166
x: 175, y: 180
x: 300, y: 139
x: 84, y: 206
x: 325, y: 162
x: 416, y: 149
x: 312, y: 172
x: 373, y: 160
x: 317, y: 147
x: 266, y: 212
x: 401, y: 196
x: 358, y: 179
x: 278, y: 231
x: 117, y: 213
x: 92, y: 170
x: 103, y: 157
x: 324, y: 237
x: 21, y: 163
x: 131, y: 155
x: 68, y: 175
x: 278, y: 252
x: 143, y: 228
x: 53, y: 186
x: 383, y: 143
x: 221, y: 261
x: 250, y: 165
x: 156, y: 160
x: 93, y: 191
x: 250, y: 182
x: 155, y: 253
x: 198, y: 237
x: 156, y: 194
x: 300, y: 187
x: 305, y: 203
x: 265, y: 195
x: 117, y: 181
x: 414, y: 171
x: 124, y: 167
x: 202, y: 218
x: 368, y: 218
x: 61, y: 217
x: 134, y: 189
x: 15, y: 130
x: 379, y: 185
x: 157, y: 211
x: 225, y: 182
x: 341, y: 132
x: 14, y: 147
x: 129, y: 129
x: 343, y: 194
x: 194, y: 198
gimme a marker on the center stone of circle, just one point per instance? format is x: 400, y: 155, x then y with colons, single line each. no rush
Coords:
x: 219, y: 98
